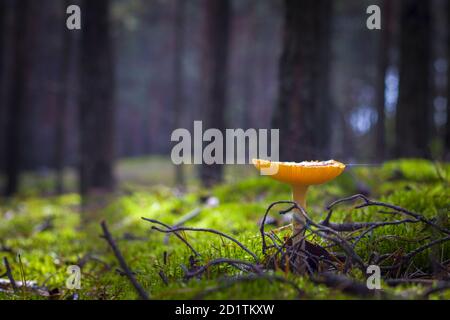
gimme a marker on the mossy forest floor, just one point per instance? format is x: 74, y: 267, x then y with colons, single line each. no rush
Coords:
x: 50, y: 234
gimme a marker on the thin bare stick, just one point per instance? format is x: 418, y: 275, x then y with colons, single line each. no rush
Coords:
x: 175, y: 233
x: 381, y: 224
x: 424, y: 247
x: 163, y: 277
x: 107, y: 236
x: 415, y: 252
x: 368, y: 203
x: 347, y: 199
x: 354, y: 226
x: 263, y: 221
x: 9, y: 274
x: 285, y: 244
x: 191, y: 215
x: 174, y: 230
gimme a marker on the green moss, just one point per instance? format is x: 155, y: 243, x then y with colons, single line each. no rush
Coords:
x: 47, y: 249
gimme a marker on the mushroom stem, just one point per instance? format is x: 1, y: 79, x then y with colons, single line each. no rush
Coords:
x: 298, y: 224
x: 299, y: 196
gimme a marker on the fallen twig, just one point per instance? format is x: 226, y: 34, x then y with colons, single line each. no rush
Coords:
x: 367, y: 203
x: 191, y: 215
x: 9, y: 274
x: 344, y: 235
x: 406, y: 258
x: 232, y: 262
x: 174, y: 230
x: 175, y: 233
x: 381, y: 224
x: 91, y: 257
x: 426, y: 246
x: 107, y: 236
x: 354, y: 226
x: 163, y: 277
x: 263, y: 221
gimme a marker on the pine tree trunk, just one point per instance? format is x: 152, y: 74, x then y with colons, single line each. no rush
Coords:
x: 180, y: 8
x: 447, y: 127
x: 97, y: 112
x: 61, y: 110
x: 413, y: 115
x: 3, y: 26
x: 16, y: 101
x: 304, y: 108
x: 383, y: 65
x: 215, y: 60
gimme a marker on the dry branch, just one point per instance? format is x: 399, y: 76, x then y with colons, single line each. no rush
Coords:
x: 191, y: 215
x: 316, y: 257
x: 175, y: 233
x: 9, y: 274
x: 367, y: 203
x: 175, y: 230
x: 233, y: 262
x: 107, y: 236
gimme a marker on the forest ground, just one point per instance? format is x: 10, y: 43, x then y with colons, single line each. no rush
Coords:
x: 49, y: 234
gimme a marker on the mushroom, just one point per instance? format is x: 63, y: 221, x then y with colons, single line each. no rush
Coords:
x: 300, y: 175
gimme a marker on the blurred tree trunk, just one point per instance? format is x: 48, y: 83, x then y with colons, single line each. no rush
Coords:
x: 447, y: 127
x: 180, y: 8
x: 413, y: 115
x: 3, y: 25
x: 3, y: 30
x: 17, y: 95
x: 304, y: 110
x: 97, y: 112
x: 215, y: 60
x: 248, y: 85
x: 61, y: 110
x: 248, y: 69
x: 383, y: 65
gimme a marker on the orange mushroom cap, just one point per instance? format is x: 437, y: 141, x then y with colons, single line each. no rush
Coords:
x: 303, y: 173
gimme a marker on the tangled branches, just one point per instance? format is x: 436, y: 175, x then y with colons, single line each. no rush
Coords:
x: 323, y: 265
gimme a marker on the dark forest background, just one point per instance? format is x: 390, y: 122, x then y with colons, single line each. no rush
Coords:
x: 138, y: 69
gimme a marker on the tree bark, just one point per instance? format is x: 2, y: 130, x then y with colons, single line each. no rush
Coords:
x: 248, y: 85
x: 97, y: 111
x: 383, y: 65
x: 447, y: 127
x: 61, y: 110
x: 180, y: 8
x: 16, y: 101
x: 413, y: 114
x: 304, y: 107
x: 215, y: 60
x: 3, y: 28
